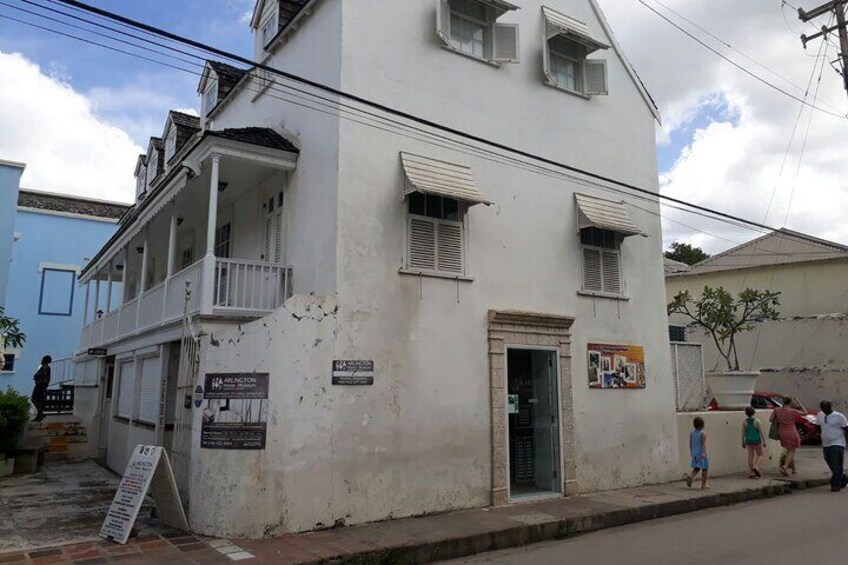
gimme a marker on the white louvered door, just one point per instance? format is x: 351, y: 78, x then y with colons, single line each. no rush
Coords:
x: 273, y: 250
x: 151, y: 376
x: 601, y: 270
x: 435, y: 245
x: 449, y: 247
x: 422, y: 244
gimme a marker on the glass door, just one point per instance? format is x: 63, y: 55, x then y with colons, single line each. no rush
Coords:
x: 533, y: 412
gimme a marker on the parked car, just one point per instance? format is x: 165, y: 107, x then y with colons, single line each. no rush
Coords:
x: 806, y: 423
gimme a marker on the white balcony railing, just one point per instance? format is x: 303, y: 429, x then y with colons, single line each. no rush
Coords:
x: 235, y: 287
x: 250, y: 286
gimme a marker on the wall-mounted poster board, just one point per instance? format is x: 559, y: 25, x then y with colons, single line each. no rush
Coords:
x: 616, y: 366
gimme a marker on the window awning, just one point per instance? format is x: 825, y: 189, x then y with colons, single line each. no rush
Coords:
x: 440, y: 178
x: 604, y: 214
x: 501, y: 7
x: 557, y: 23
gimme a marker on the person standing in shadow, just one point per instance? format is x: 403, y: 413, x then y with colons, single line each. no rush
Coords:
x: 39, y: 391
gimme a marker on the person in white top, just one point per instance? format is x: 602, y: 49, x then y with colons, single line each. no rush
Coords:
x: 833, y: 426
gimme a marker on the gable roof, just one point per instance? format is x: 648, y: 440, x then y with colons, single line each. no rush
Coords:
x: 637, y: 80
x: 671, y: 266
x: 781, y: 247
x: 68, y: 204
x: 263, y: 137
x: 184, y: 120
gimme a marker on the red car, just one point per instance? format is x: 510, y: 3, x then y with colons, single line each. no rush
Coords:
x: 806, y: 423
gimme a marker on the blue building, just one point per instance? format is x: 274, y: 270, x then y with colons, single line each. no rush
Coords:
x: 10, y: 178
x: 54, y: 237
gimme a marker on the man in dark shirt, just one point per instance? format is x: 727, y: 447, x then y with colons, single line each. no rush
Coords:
x: 39, y: 391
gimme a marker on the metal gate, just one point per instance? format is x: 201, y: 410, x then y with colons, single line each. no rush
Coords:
x: 687, y: 364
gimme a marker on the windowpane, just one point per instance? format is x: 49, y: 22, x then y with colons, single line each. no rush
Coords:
x: 470, y: 9
x: 600, y: 238
x: 450, y: 209
x: 469, y: 36
x: 416, y: 203
x: 8, y: 363
x: 57, y: 292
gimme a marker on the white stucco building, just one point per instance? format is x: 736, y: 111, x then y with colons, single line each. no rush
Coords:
x: 476, y: 282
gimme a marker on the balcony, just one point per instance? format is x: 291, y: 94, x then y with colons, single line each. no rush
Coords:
x: 216, y: 287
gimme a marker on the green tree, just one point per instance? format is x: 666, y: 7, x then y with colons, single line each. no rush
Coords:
x: 685, y: 253
x: 724, y: 316
x: 10, y: 332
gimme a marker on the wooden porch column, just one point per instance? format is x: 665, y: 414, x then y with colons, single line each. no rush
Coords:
x: 109, y: 286
x: 125, y: 288
x: 85, y: 308
x: 143, y: 272
x: 172, y: 241
x: 213, y: 207
x: 96, y: 294
x: 208, y: 282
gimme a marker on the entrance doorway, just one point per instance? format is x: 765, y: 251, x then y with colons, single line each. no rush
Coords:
x: 533, y: 412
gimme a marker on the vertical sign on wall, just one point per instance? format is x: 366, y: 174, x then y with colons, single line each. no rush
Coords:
x: 236, y: 412
x: 148, y: 469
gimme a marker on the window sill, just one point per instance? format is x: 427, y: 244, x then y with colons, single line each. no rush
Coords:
x: 121, y: 419
x: 609, y: 295
x: 437, y: 275
x: 472, y: 57
x: 143, y: 424
x: 549, y: 82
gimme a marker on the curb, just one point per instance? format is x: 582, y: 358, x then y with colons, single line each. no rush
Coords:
x: 427, y: 552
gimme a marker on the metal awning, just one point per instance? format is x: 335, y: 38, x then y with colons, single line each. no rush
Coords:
x: 432, y: 176
x: 604, y: 214
x: 557, y: 23
x: 501, y: 6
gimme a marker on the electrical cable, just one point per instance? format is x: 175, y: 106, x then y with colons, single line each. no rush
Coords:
x: 731, y: 61
x: 161, y: 33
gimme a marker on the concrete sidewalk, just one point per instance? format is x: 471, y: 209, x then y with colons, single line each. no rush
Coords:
x: 443, y: 536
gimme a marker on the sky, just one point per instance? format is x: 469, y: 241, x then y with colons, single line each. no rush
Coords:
x: 79, y: 115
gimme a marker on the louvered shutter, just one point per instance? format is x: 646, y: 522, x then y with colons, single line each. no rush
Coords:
x: 449, y: 247
x: 506, y: 43
x: 126, y: 386
x: 278, y: 239
x: 443, y: 21
x: 422, y: 244
x: 546, y: 59
x: 148, y: 405
x: 592, y: 279
x: 596, y: 77
x: 269, y: 230
x: 612, y: 272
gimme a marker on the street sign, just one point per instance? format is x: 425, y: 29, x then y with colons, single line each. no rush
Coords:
x: 97, y: 351
x: 148, y: 469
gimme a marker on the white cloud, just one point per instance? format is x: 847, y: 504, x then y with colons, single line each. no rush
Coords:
x: 45, y: 123
x: 735, y: 166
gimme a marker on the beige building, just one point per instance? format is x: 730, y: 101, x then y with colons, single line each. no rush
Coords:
x: 803, y: 354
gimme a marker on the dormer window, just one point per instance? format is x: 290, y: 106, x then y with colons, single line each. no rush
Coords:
x: 152, y: 166
x: 567, y: 45
x: 269, y: 29
x: 140, y: 183
x: 170, y: 144
x: 210, y: 95
x: 470, y: 27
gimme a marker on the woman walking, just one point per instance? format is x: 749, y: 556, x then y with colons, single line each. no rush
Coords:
x: 752, y: 440
x: 787, y: 432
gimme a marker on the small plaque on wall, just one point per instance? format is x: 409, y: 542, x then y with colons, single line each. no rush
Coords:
x: 353, y: 372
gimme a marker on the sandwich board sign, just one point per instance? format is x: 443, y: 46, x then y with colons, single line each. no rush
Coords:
x: 148, y: 470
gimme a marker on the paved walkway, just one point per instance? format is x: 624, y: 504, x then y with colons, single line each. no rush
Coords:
x: 442, y: 536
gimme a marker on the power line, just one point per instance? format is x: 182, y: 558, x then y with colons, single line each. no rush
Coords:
x: 714, y: 214
x: 731, y: 61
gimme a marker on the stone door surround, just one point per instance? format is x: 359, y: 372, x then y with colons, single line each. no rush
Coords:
x: 550, y: 331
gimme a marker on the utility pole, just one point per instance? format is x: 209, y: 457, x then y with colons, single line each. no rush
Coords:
x: 836, y: 7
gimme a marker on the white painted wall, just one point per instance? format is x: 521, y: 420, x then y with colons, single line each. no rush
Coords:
x: 418, y: 440
x: 724, y: 442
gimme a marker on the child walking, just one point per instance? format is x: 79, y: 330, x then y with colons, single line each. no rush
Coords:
x: 698, y: 450
x: 752, y: 440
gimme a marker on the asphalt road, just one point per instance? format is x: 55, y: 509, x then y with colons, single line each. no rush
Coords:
x: 804, y: 527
